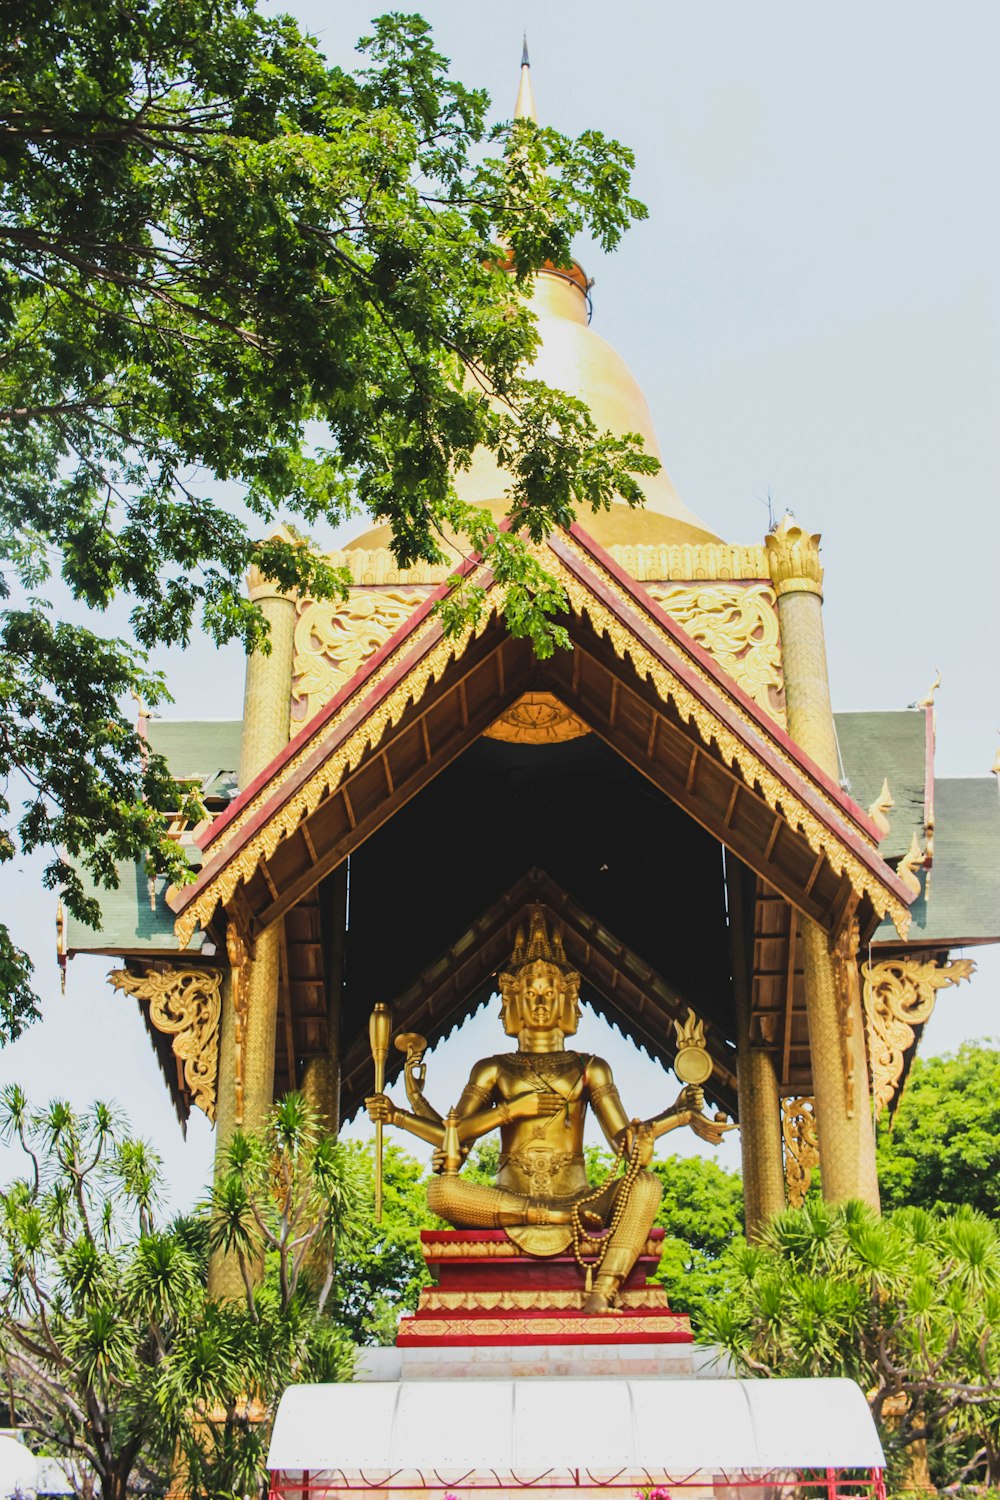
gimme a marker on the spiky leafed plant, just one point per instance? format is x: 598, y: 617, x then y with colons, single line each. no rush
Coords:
x: 92, y: 1293
x: 287, y: 1198
x: 114, y: 1355
x: 907, y: 1305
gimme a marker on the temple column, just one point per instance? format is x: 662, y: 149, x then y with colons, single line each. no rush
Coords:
x: 250, y: 1000
x: 756, y: 1078
x: 833, y: 998
x: 321, y: 1077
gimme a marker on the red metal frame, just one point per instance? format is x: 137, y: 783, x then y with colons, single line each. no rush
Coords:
x: 831, y: 1484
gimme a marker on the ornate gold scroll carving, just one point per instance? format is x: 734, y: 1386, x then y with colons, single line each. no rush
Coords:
x: 334, y: 637
x: 184, y: 1004
x: 537, y: 719
x: 798, y: 1131
x: 237, y: 953
x: 899, y: 994
x: 556, y: 1329
x: 845, y: 982
x: 738, y: 626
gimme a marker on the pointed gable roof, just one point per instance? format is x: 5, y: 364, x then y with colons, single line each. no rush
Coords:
x: 634, y: 676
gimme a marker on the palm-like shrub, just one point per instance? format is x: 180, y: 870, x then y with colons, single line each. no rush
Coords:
x: 908, y: 1305
x: 113, y: 1354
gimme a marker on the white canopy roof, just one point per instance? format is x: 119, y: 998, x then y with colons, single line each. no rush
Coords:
x: 527, y: 1428
x: 18, y: 1468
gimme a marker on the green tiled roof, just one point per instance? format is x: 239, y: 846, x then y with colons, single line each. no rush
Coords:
x: 207, y: 752
x: 893, y: 746
x: 128, y: 922
x: 960, y: 902
x: 197, y: 751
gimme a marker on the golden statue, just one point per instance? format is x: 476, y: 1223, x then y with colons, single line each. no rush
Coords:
x: 538, y: 1097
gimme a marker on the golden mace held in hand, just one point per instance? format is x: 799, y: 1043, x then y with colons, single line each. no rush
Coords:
x: 379, y: 1032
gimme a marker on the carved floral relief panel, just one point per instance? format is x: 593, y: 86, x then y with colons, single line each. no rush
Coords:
x: 738, y: 625
x: 333, y: 638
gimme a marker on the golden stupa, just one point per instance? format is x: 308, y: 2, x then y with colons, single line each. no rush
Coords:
x: 572, y: 357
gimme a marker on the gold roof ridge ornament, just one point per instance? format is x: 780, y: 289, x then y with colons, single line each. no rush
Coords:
x: 927, y: 701
x: 912, y: 861
x: 881, y: 807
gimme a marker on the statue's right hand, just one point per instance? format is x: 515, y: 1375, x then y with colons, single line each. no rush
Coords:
x: 539, y: 1102
x: 381, y: 1109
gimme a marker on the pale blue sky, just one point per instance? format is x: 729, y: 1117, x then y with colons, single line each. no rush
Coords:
x: 811, y: 310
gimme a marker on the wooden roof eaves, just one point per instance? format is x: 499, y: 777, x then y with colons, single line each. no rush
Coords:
x: 535, y: 887
x: 314, y: 727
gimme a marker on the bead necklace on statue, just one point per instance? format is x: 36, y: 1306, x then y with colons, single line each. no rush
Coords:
x: 591, y: 1268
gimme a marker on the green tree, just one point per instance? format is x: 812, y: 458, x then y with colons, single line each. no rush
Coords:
x: 238, y: 282
x: 943, y: 1145
x: 381, y: 1270
x: 92, y: 1293
x: 907, y: 1305
x: 114, y: 1356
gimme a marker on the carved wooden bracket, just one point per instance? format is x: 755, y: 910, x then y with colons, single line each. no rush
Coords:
x: 798, y: 1131
x: 186, y: 1005
x: 899, y: 994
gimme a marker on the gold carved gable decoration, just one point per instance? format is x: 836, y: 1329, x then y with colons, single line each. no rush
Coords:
x: 737, y: 625
x: 537, y: 719
x: 184, y: 1004
x: 334, y: 637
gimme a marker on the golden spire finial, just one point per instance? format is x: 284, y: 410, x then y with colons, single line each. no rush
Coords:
x: 928, y: 700
x: 524, y: 109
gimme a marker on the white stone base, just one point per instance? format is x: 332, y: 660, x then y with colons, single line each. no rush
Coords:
x: 598, y: 1361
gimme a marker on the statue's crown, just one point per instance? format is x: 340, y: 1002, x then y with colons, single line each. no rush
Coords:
x: 536, y: 945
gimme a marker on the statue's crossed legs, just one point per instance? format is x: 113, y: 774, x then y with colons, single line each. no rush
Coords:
x: 472, y: 1205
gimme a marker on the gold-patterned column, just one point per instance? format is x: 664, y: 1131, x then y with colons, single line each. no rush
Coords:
x: 833, y: 998
x: 756, y: 1078
x: 321, y: 1077
x: 250, y: 1007
x: 224, y: 1278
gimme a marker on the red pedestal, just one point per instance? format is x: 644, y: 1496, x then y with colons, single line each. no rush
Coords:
x: 489, y: 1291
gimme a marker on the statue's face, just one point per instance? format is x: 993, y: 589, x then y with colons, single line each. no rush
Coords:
x: 540, y: 1000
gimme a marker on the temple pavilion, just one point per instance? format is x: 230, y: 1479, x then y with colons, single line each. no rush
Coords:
x: 677, y: 792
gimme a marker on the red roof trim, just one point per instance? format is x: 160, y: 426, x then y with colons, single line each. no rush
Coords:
x: 329, y: 710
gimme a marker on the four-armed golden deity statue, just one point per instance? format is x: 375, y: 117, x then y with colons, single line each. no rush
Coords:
x: 538, y: 1096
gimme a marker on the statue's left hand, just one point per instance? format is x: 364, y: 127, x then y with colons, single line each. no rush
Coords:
x: 691, y: 1100
x: 640, y: 1131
